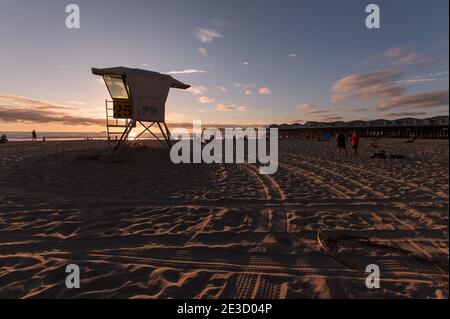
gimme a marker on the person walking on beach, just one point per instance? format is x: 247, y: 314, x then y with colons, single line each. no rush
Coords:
x: 355, y: 143
x: 341, y: 144
x: 33, y: 135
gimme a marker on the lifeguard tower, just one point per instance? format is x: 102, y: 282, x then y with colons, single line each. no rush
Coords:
x: 138, y: 96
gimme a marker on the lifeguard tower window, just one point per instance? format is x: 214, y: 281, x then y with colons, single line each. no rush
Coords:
x: 116, y: 86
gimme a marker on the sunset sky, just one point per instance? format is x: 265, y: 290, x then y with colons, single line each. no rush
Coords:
x: 249, y: 62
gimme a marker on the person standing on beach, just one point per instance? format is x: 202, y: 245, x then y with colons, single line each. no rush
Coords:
x: 33, y: 135
x: 355, y: 143
x: 341, y: 144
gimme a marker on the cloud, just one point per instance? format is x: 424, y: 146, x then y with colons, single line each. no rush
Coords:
x: 222, y: 88
x: 202, y: 51
x: 393, y: 52
x: 420, y: 80
x: 77, y: 102
x: 293, y: 55
x: 207, y: 35
x: 205, y: 100
x: 35, y: 116
x: 402, y: 114
x: 332, y: 118
x: 403, y: 55
x: 246, y: 89
x: 245, y: 62
x: 22, y: 109
x: 354, y: 109
x: 415, y: 101
x: 265, y: 90
x: 20, y: 101
x: 305, y: 107
x: 367, y: 86
x: 244, y: 86
x: 382, y: 87
x: 412, y: 59
x: 197, y: 90
x: 313, y: 112
x: 187, y: 71
x: 231, y: 108
x: 310, y: 109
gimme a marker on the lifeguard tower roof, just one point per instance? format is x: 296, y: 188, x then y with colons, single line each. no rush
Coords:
x: 124, y: 71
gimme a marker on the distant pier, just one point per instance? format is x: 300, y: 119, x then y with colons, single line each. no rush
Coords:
x: 430, y: 128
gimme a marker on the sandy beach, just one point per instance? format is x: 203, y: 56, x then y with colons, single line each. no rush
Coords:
x: 143, y: 227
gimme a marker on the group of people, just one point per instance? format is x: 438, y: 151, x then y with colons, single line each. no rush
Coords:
x: 4, y: 138
x: 341, y: 141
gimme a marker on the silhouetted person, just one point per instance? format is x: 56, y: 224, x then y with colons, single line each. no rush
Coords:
x: 341, y: 144
x: 355, y: 143
x: 33, y: 135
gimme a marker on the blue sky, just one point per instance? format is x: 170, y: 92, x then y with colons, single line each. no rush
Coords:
x: 249, y: 62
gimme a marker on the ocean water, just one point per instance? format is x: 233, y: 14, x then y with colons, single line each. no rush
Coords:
x: 62, y: 136
x: 53, y: 136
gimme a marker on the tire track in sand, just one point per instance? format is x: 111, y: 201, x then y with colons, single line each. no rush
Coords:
x: 349, y: 180
x: 339, y: 191
x: 403, y: 206
x: 381, y: 176
x: 248, y: 285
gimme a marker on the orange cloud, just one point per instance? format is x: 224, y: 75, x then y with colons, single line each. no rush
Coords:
x: 404, y: 55
x: 415, y: 101
x: 231, y: 108
x: 22, y: 109
x: 264, y: 90
x: 205, y: 100
x: 367, y: 86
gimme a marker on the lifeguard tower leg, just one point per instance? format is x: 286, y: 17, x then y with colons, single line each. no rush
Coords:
x: 124, y: 136
x: 166, y: 138
x: 168, y: 134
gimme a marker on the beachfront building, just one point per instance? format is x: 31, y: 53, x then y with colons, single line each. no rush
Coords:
x: 430, y: 128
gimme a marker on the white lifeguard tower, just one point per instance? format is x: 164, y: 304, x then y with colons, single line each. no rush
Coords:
x: 138, y: 96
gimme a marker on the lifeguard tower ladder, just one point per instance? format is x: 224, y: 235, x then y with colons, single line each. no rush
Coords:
x: 114, y: 123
